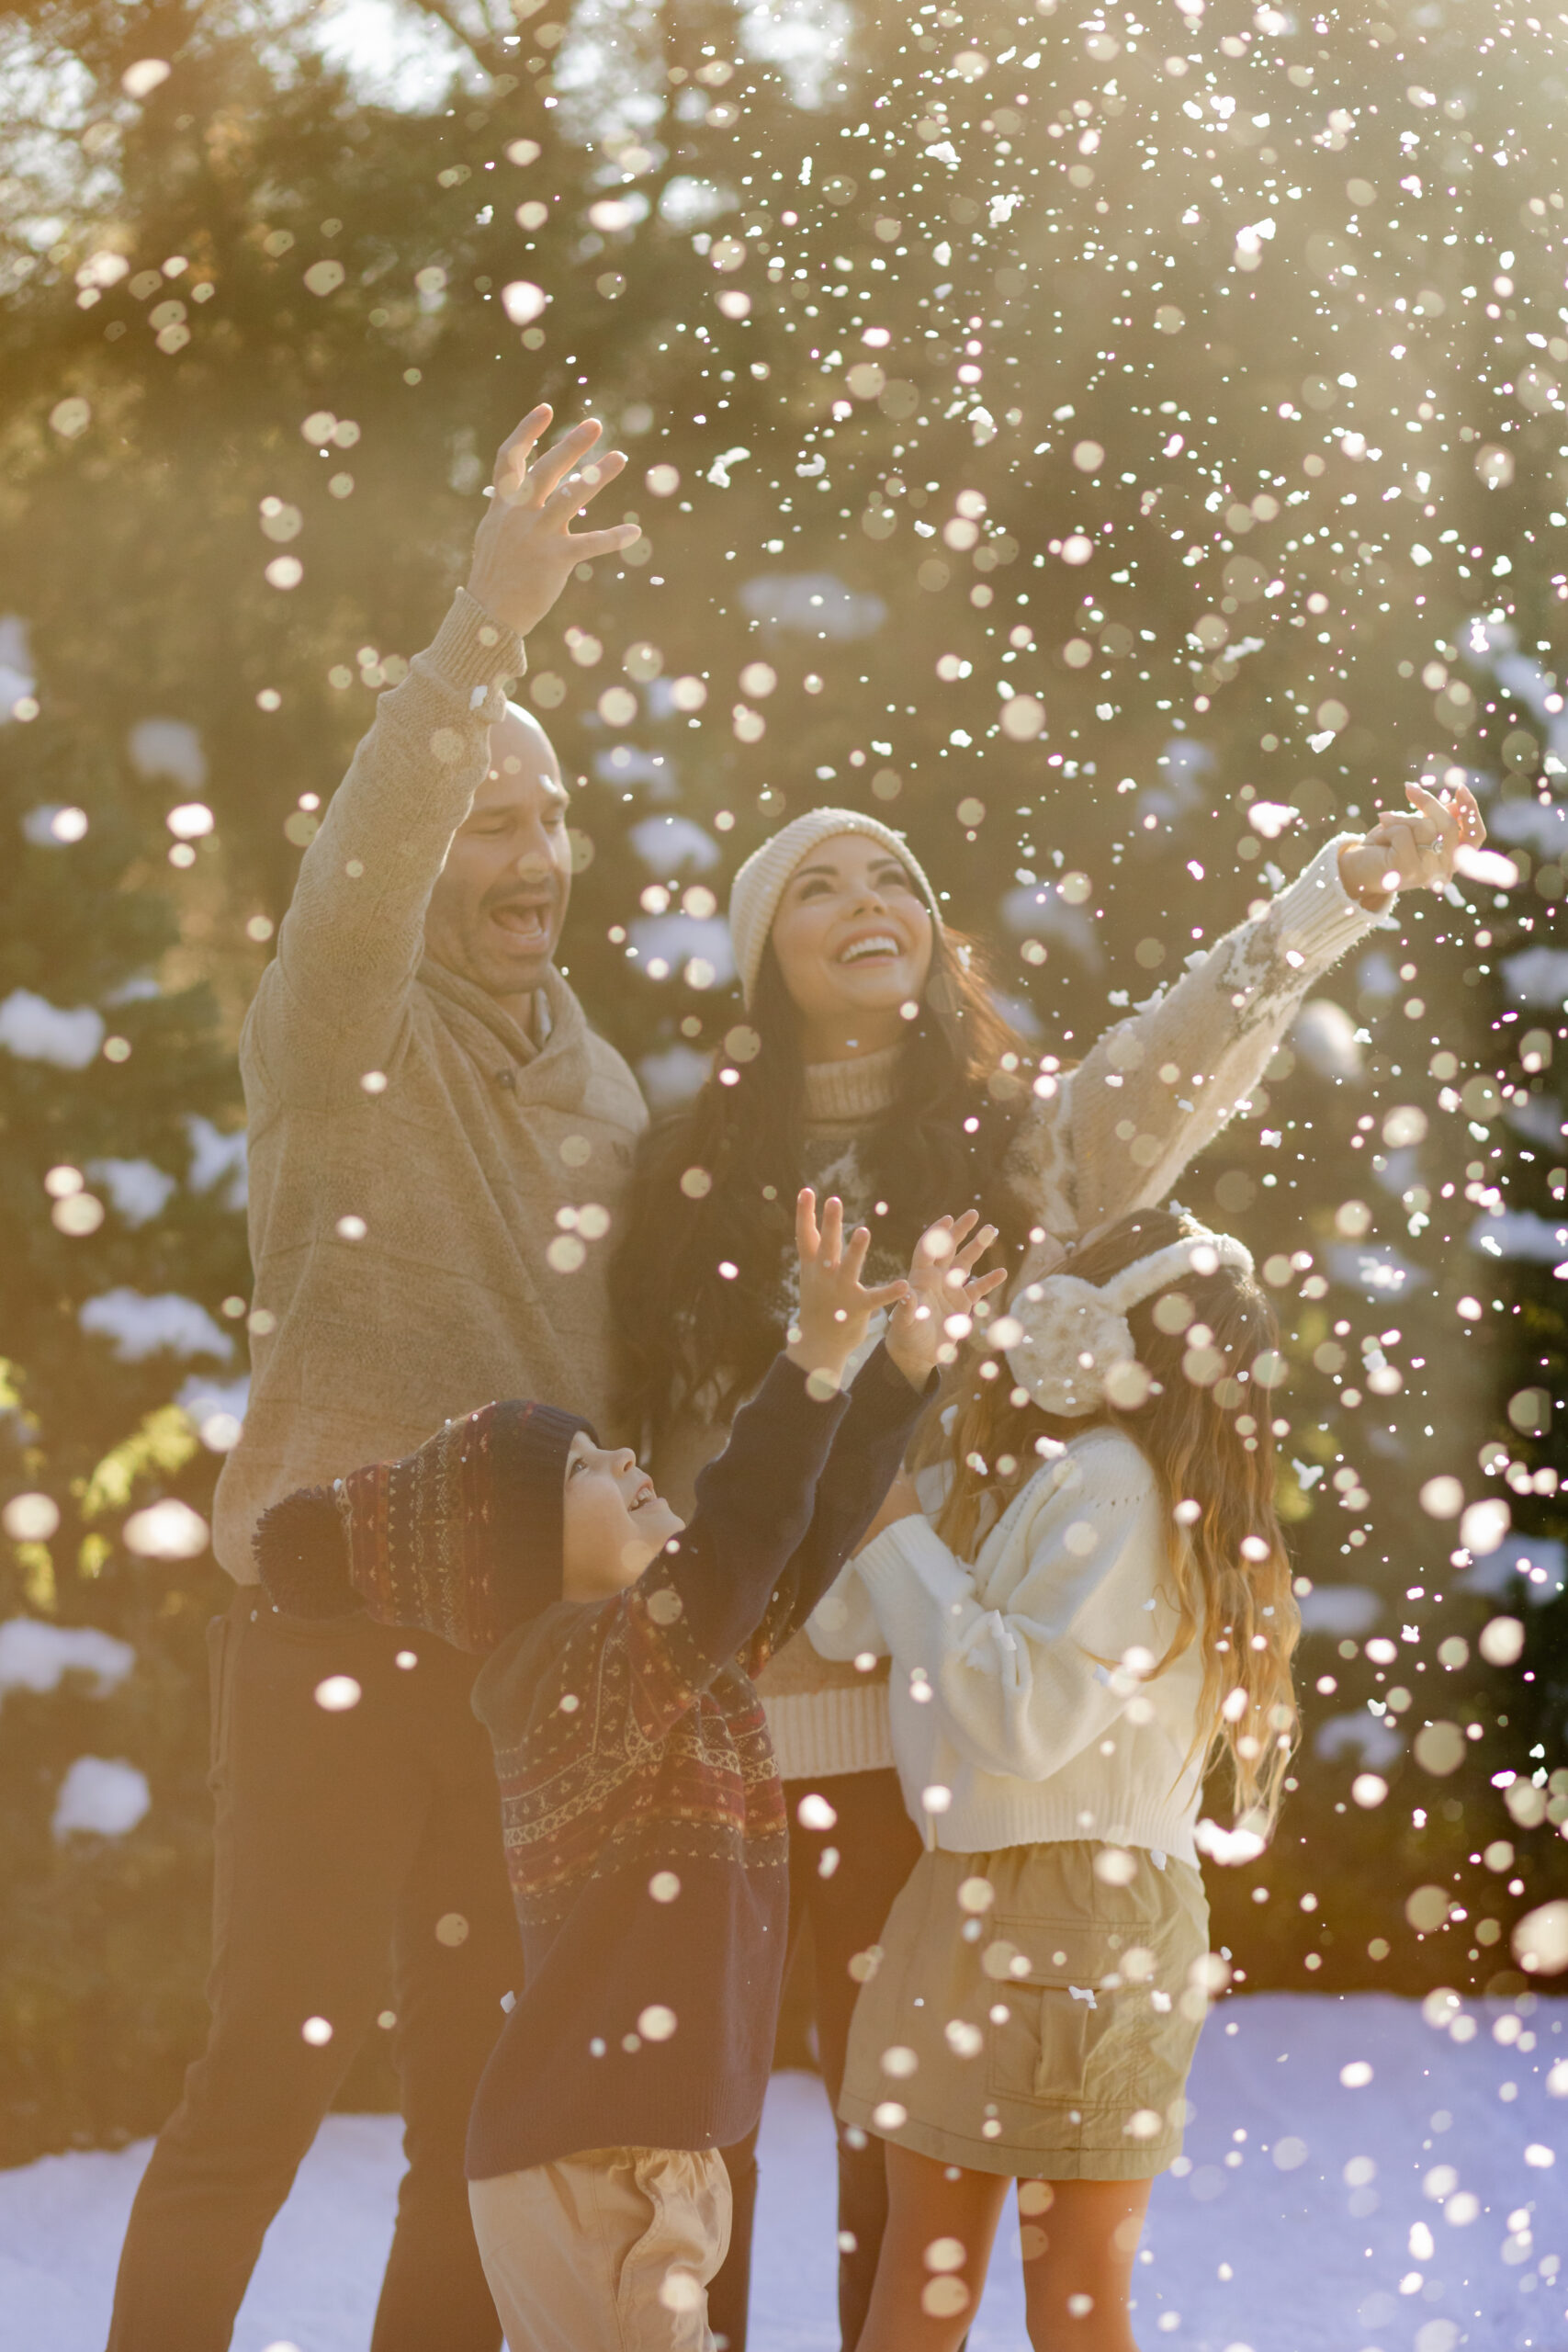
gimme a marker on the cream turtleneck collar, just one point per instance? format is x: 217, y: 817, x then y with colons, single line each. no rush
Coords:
x: 852, y: 1094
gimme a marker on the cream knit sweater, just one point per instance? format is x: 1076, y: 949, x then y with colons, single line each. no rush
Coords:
x: 1112, y: 1136
x: 400, y: 1232
x: 1015, y: 1721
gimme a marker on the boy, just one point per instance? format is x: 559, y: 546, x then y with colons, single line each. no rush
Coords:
x: 642, y: 1811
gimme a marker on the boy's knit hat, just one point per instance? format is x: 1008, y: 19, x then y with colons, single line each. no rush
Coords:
x: 756, y: 890
x: 462, y: 1537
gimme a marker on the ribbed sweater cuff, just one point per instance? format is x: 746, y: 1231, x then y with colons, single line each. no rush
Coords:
x: 472, y: 650
x: 820, y: 1734
x: 1317, y: 918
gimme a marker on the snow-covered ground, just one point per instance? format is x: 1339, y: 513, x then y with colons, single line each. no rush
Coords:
x: 1421, y: 2208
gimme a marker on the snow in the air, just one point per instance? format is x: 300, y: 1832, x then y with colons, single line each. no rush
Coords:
x: 1301, y: 2225
x: 1520, y: 1233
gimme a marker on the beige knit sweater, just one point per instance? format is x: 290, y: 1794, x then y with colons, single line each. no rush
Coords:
x: 402, y: 1233
x: 1114, y: 1134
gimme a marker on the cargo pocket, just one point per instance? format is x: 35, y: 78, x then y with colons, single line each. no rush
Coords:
x: 1068, y: 2041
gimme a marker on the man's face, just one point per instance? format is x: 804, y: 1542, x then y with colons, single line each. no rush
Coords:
x: 498, y: 906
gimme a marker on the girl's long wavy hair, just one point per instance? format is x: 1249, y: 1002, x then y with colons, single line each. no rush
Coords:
x: 1205, y: 1432
x: 685, y: 1327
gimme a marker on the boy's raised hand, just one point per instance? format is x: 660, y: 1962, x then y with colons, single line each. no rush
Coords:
x: 835, y: 1310
x: 943, y: 1281
x: 524, y: 549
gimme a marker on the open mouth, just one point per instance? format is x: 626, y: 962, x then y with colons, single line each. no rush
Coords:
x: 646, y: 1493
x: 527, y: 924
x: 876, y: 947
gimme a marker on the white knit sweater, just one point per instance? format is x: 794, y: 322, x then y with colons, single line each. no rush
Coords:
x: 1021, y: 1711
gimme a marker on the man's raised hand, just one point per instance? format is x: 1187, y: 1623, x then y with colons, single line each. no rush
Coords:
x: 524, y: 549
x: 835, y: 1310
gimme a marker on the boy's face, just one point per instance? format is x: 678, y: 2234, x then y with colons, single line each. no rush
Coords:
x: 615, y: 1523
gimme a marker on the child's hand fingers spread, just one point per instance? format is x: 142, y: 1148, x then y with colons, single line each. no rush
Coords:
x: 982, y: 1285
x: 936, y: 1243
x: 807, y: 1239
x: 895, y: 1295
x: 963, y: 1226
x: 977, y: 1248
x: 833, y: 1231
x: 855, y: 1251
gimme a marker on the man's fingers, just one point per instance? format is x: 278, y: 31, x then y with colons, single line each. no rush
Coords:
x: 586, y: 545
x: 511, y: 458
x: 546, y: 477
x: 588, y: 479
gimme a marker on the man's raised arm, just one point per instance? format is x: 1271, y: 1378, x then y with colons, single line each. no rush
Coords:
x: 353, y: 938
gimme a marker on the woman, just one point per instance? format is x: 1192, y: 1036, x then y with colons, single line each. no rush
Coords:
x: 873, y: 1064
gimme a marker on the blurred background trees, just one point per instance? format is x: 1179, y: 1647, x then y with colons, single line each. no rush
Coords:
x: 1119, y: 446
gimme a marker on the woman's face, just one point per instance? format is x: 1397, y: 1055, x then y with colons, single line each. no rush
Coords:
x: 853, y: 940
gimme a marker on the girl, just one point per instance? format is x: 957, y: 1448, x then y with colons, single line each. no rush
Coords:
x: 872, y: 1062
x: 1100, y: 1609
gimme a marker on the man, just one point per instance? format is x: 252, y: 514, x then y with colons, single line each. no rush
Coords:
x: 437, y: 1141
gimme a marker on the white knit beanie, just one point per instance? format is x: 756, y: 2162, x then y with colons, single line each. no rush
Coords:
x: 756, y: 890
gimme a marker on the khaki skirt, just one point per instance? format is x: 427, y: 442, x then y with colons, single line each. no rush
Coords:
x: 1031, y: 2016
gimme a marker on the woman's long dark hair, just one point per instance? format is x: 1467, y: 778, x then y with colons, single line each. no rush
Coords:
x: 716, y: 1182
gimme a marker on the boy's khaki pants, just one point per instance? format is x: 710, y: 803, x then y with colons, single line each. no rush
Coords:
x: 608, y: 2251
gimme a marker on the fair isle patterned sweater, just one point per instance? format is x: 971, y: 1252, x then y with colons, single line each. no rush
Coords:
x: 1112, y: 1136
x: 644, y: 1823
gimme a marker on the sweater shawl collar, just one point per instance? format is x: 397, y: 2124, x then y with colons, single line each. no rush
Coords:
x: 555, y: 1072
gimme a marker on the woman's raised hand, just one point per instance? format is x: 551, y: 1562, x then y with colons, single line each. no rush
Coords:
x: 1413, y: 846
x: 942, y: 1283
x: 835, y: 1308
x: 524, y: 549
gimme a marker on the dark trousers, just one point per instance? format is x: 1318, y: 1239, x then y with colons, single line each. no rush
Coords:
x: 358, y: 1868
x: 877, y: 1847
